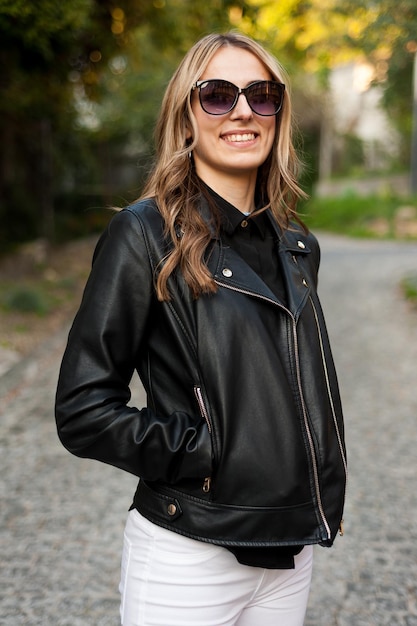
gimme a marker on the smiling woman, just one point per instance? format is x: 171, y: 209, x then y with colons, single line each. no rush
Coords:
x: 206, y: 286
x: 235, y: 140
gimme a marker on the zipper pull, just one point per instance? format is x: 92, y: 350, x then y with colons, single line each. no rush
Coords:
x: 341, y: 529
x: 207, y: 484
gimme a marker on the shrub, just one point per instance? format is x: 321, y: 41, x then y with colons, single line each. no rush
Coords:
x: 26, y: 300
x: 409, y: 287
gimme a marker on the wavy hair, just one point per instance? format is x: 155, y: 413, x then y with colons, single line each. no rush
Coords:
x: 175, y: 185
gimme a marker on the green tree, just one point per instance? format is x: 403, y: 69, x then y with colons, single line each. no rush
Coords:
x: 33, y: 39
x: 390, y: 41
x: 80, y: 88
x: 317, y: 35
x: 131, y: 86
x: 48, y: 49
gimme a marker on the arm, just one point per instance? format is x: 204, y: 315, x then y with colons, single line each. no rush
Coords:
x: 92, y: 415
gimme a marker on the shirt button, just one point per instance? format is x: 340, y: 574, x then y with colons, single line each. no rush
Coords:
x: 244, y: 223
x: 227, y: 272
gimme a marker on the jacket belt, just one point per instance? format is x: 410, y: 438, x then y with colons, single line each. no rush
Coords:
x: 184, y: 514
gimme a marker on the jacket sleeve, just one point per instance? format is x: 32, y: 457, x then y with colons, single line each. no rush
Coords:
x: 92, y: 413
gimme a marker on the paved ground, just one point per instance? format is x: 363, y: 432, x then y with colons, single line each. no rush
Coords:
x: 61, y: 518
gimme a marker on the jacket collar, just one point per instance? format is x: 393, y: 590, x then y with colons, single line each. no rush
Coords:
x: 293, y: 247
x: 230, y: 271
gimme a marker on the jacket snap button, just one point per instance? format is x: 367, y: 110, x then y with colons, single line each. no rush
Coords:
x: 305, y: 283
x: 301, y: 245
x: 172, y: 509
x: 244, y: 223
x: 227, y: 272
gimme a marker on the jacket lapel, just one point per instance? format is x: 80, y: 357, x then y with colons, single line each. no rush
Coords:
x: 231, y: 271
x: 292, y: 248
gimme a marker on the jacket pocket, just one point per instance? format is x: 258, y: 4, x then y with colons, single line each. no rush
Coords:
x: 207, y: 483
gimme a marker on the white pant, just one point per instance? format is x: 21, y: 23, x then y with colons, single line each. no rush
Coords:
x: 171, y: 580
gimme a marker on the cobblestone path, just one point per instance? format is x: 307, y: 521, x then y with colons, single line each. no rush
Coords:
x: 62, y: 518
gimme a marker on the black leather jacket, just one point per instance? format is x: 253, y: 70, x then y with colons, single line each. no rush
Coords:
x: 241, y: 441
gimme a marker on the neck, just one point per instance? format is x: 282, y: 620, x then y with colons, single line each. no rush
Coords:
x: 238, y: 191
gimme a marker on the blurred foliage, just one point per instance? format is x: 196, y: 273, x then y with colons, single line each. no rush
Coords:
x: 82, y: 81
x: 310, y: 33
x: 318, y: 35
x: 390, y: 42
x: 81, y: 84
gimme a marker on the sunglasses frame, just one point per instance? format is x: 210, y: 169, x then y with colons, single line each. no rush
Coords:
x: 239, y: 91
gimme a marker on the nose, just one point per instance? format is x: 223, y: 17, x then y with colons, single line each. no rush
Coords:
x: 242, y: 108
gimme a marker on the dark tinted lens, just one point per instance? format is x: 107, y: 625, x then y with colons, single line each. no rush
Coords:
x: 217, y: 97
x: 265, y: 98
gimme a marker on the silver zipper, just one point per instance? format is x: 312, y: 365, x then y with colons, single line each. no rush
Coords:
x: 206, y: 487
x: 309, y: 436
x: 306, y: 424
x: 202, y: 406
x: 326, y: 373
x: 256, y: 295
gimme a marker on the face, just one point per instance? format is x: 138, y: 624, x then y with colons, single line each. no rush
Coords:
x: 237, y: 143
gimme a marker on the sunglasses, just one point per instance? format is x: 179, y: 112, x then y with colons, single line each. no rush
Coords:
x: 218, y: 97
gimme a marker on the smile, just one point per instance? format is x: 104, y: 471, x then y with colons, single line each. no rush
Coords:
x: 243, y: 137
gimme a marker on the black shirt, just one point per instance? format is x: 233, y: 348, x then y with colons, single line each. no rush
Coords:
x: 255, y: 240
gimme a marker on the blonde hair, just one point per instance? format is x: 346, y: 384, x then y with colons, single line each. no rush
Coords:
x: 174, y: 183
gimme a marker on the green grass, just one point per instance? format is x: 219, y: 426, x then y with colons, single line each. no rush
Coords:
x: 409, y: 288
x: 366, y: 217
x: 352, y: 215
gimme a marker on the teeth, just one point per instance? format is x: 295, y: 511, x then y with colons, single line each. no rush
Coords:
x: 245, y: 137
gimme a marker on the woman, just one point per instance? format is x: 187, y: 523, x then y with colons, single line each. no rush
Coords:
x: 207, y: 287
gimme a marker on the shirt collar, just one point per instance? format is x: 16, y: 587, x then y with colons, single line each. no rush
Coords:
x: 232, y: 218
